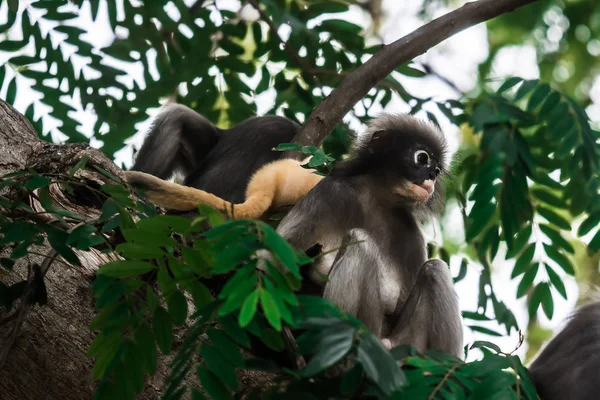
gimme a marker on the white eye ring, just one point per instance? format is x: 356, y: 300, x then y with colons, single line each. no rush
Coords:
x: 420, y: 162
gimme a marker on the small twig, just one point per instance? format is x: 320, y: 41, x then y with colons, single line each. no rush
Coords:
x: 443, y: 381
x: 519, y: 344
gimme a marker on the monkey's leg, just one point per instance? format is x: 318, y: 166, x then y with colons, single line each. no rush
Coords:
x: 179, y: 139
x: 353, y: 283
x: 430, y: 317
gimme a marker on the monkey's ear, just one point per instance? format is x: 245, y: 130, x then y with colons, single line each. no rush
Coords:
x: 377, y: 135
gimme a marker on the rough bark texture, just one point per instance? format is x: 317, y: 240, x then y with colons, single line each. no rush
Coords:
x: 49, y: 360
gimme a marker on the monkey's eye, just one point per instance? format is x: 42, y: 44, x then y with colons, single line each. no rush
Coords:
x: 437, y: 171
x: 421, y: 157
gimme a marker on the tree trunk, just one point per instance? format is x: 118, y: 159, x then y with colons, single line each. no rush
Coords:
x: 48, y: 359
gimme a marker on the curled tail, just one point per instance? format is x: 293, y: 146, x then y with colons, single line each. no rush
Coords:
x: 184, y: 198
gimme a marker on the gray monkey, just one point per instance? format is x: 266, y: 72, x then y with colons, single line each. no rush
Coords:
x: 369, y: 208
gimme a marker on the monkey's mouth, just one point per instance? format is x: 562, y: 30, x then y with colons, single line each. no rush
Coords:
x: 422, y: 190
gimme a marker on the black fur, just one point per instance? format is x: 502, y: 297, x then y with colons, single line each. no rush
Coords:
x: 569, y: 366
x: 219, y: 161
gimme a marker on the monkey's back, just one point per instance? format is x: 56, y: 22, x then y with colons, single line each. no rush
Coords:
x: 243, y: 149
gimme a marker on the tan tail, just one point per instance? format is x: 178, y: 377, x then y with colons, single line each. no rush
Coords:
x: 183, y: 198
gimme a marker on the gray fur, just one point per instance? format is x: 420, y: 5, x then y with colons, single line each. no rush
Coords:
x: 569, y: 366
x: 374, y: 279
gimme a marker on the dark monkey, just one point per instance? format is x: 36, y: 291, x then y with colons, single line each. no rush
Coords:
x: 569, y: 366
x: 218, y: 161
x: 370, y: 207
x: 233, y: 170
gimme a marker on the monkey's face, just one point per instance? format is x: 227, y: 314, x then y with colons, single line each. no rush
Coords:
x: 417, y: 174
x: 408, y: 162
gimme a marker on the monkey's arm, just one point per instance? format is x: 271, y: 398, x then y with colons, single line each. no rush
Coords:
x: 317, y: 219
x: 278, y: 184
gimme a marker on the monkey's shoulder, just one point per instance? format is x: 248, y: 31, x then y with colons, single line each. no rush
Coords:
x: 339, y: 196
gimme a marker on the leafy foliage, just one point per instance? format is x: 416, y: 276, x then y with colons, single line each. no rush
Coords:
x: 159, y: 285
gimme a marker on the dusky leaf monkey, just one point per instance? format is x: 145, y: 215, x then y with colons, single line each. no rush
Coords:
x: 369, y: 208
x: 233, y: 170
x: 568, y: 367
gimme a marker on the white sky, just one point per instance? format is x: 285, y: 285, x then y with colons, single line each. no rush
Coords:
x: 457, y: 59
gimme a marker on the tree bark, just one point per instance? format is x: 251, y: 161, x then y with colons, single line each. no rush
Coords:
x: 49, y: 357
x: 358, y: 83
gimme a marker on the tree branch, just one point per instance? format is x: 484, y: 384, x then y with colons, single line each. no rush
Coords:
x: 357, y: 84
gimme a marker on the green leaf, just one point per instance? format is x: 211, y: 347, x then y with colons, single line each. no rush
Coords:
x: 163, y: 329
x: 11, y: 92
x: 483, y: 343
x: 229, y: 325
x: 554, y: 218
x: 485, y: 331
x: 557, y: 239
x: 351, y: 380
x: 595, y: 242
x: 139, y: 251
x: 270, y: 309
x: 539, y: 94
x: 526, y: 87
x: 211, y: 384
x: 219, y: 366
x: 281, y: 249
x: 527, y: 280
x: 509, y: 83
x: 80, y: 164
x: 331, y: 349
x: 144, y: 340
x: 406, y: 70
x: 248, y: 308
x: 37, y: 182
x: 524, y: 261
x: 126, y: 268
x: 546, y: 299
x: 551, y: 101
x: 587, y: 225
x: 548, y: 198
x: 288, y: 147
x: 226, y: 346
x: 556, y: 281
x: 480, y: 217
x: 379, y: 365
x: 178, y: 307
x: 560, y: 259
x: 535, y: 300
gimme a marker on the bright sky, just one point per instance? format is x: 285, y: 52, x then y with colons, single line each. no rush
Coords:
x: 456, y: 58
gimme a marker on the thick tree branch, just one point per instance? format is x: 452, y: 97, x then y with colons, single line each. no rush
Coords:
x: 357, y: 84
